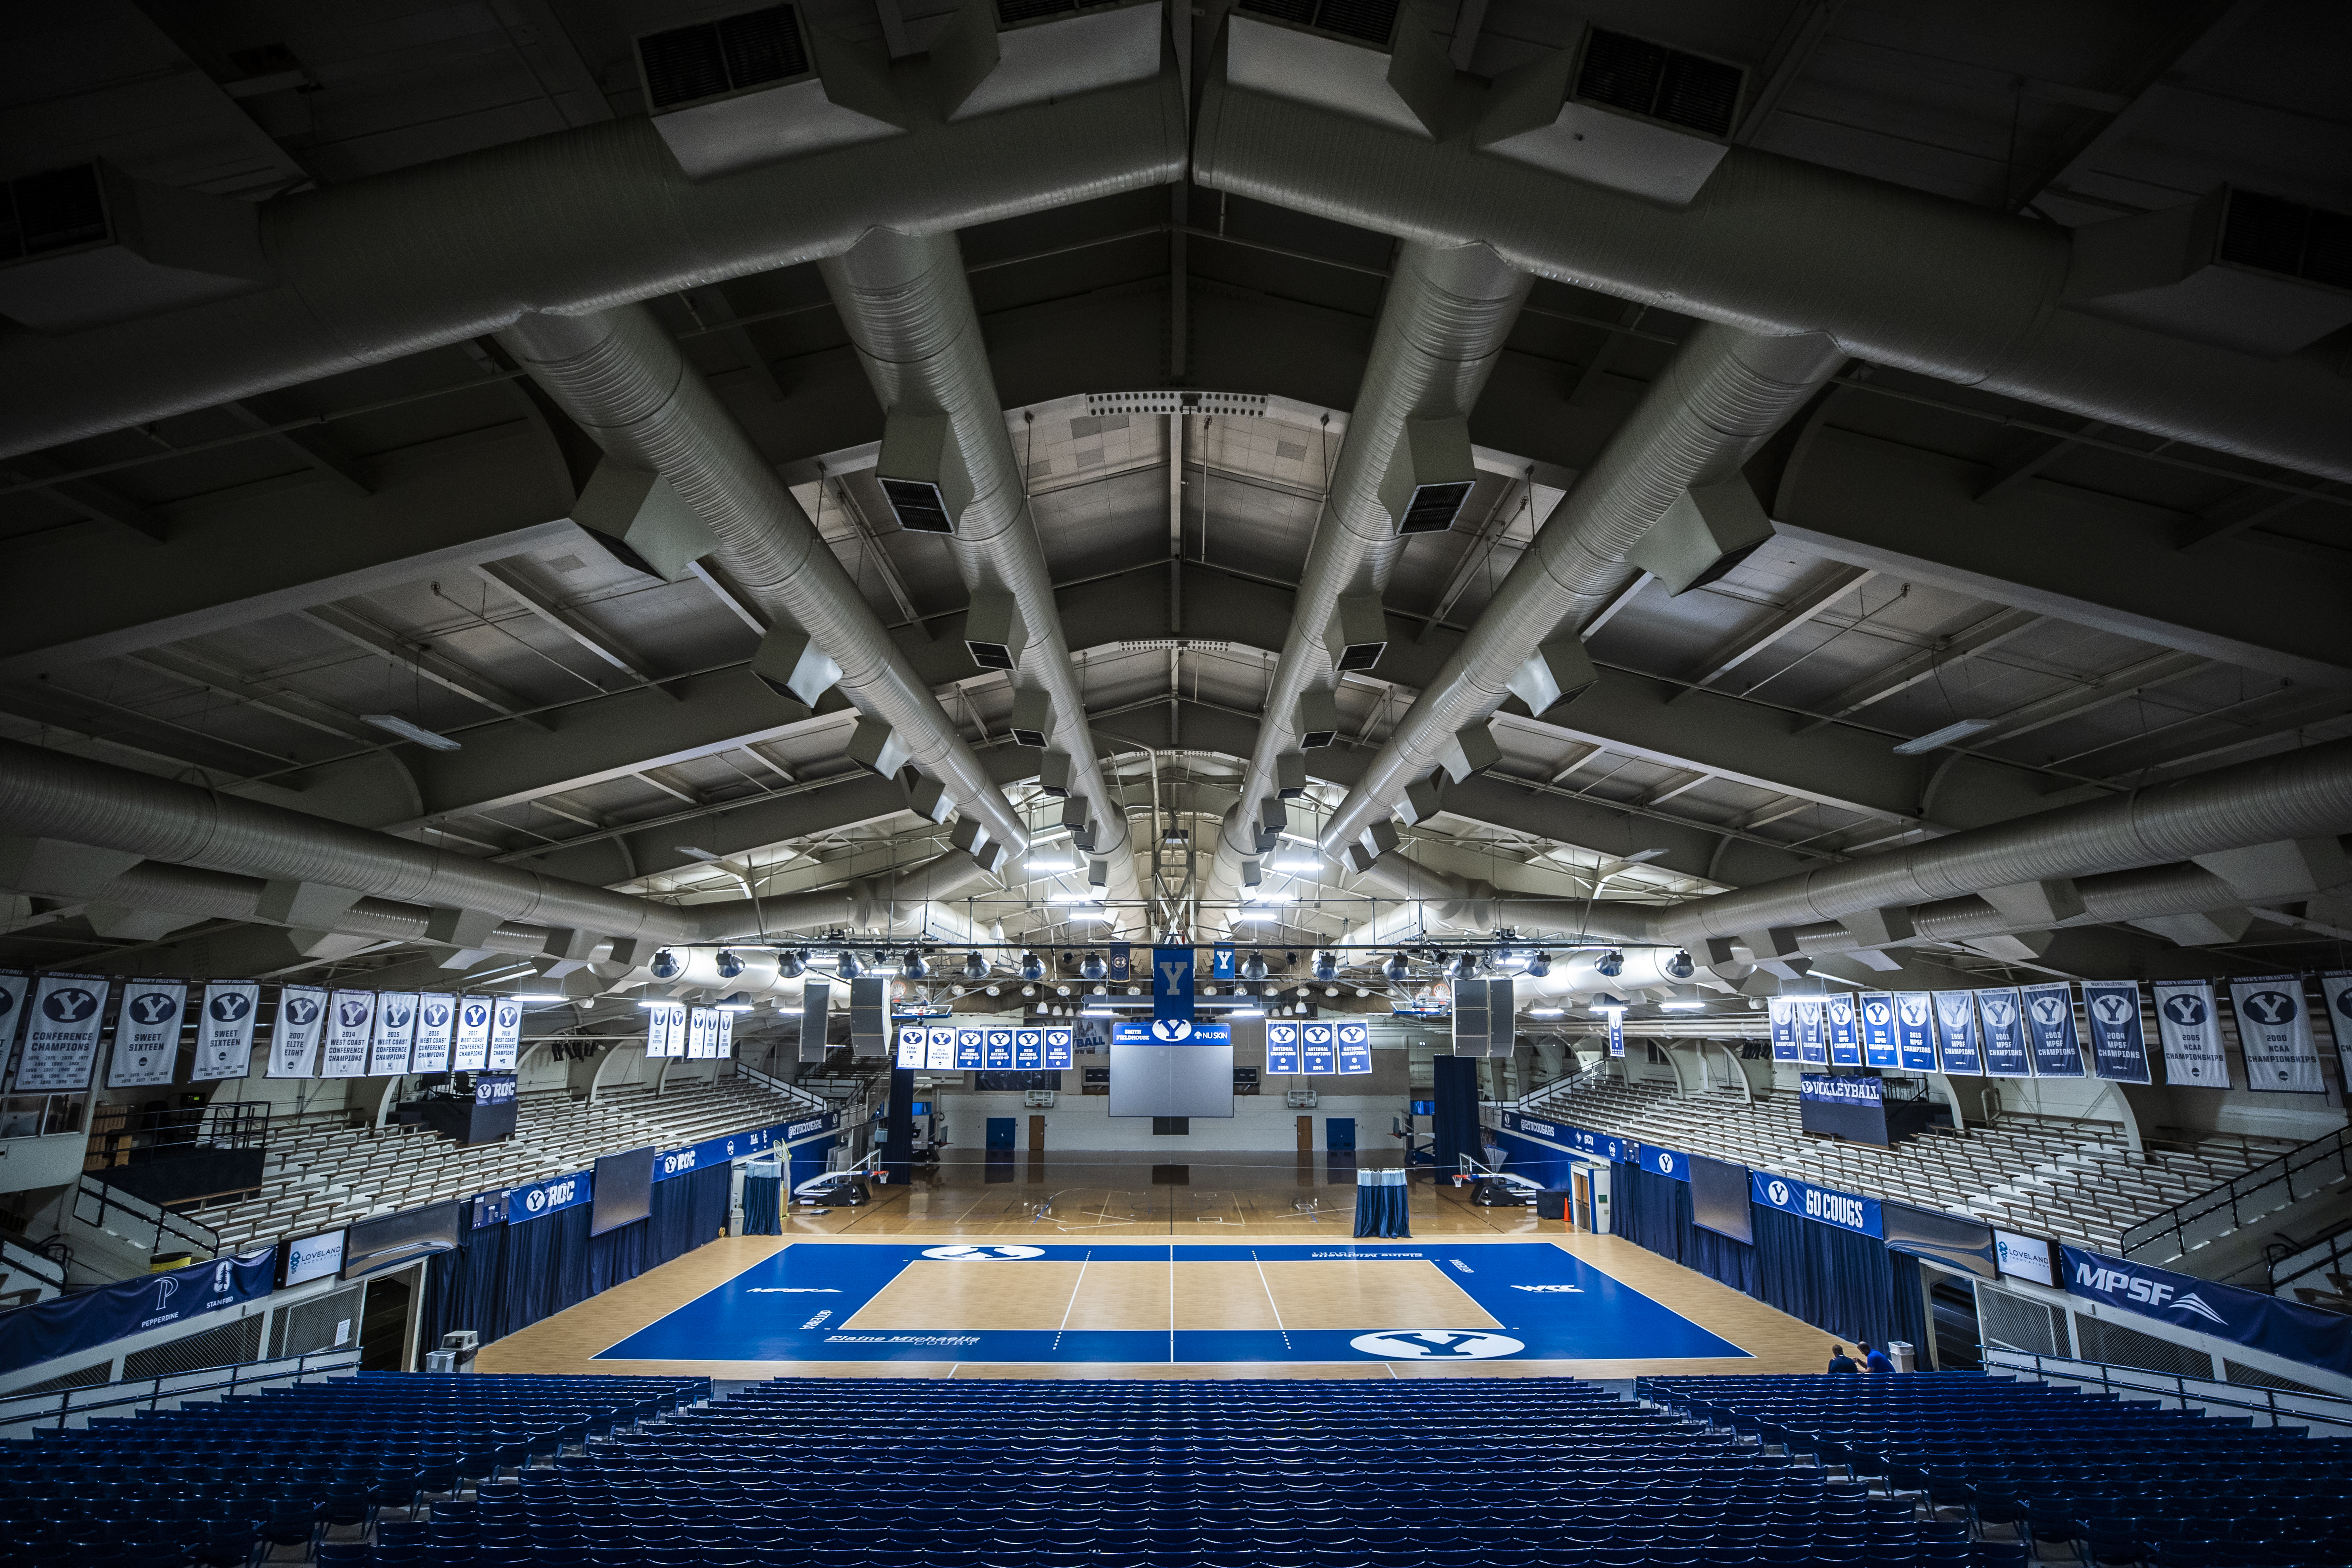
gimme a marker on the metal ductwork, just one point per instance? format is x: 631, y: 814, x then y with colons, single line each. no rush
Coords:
x: 1722, y: 395
x: 908, y: 308
x: 1448, y: 310
x: 2301, y: 794
x: 584, y: 219
x: 623, y: 378
x: 1772, y: 245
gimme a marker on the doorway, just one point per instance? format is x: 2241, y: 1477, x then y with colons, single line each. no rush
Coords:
x: 383, y: 1324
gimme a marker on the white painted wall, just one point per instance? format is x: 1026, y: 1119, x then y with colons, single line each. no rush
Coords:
x: 1260, y: 1125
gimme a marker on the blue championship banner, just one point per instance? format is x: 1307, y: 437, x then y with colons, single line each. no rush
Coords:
x: 1355, y: 1042
x: 2119, y: 1030
x: 1314, y: 1051
x: 2050, y: 1024
x: 999, y: 1048
x: 1876, y: 1009
x: 968, y: 1058
x: 1844, y: 1030
x: 1058, y: 1050
x: 1282, y: 1051
x: 1171, y: 982
x: 1028, y: 1050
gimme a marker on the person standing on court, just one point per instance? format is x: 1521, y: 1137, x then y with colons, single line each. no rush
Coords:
x: 1840, y: 1362
x: 1874, y: 1360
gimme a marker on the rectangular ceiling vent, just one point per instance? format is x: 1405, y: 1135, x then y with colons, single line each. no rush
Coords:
x: 2234, y: 268
x: 1430, y: 477
x: 1672, y: 86
x: 1227, y: 404
x: 917, y: 505
x: 712, y: 59
x: 1033, y: 719
x: 55, y: 210
x: 2288, y: 238
x: 1434, y: 508
x: 1366, y: 21
x: 993, y: 632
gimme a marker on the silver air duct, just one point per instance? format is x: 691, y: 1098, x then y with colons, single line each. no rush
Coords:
x: 581, y: 219
x: 1447, y: 312
x: 1771, y: 244
x: 623, y: 378
x: 1722, y: 395
x: 908, y: 308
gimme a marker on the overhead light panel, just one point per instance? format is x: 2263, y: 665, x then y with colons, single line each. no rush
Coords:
x: 1937, y: 740
x: 396, y: 724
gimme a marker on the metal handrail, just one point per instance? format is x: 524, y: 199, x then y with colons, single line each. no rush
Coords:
x: 23, y: 1413
x: 789, y: 1090
x: 198, y: 1237
x: 2331, y: 1253
x: 2294, y: 1176
x: 1583, y: 1077
x: 2269, y: 1406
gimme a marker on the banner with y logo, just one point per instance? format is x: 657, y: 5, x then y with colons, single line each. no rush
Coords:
x: 61, y: 1039
x: 1171, y: 982
x: 2274, y: 1033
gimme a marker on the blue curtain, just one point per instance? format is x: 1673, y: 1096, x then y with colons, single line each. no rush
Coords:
x: 508, y: 1276
x: 763, y: 1212
x: 1654, y: 1211
x: 1845, y: 1284
x: 898, y: 1127
x: 1455, y: 1125
x: 1533, y: 1161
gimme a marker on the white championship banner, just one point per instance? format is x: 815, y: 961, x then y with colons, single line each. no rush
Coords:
x: 665, y: 1029
x: 2337, y: 986
x: 61, y: 1036
x: 14, y: 988
x: 147, y: 1033
x: 723, y: 1035
x: 396, y: 1034
x: 351, y: 1029
x: 436, y: 1032
x: 506, y: 1032
x: 473, y: 1047
x: 2274, y: 1034
x: 294, y: 1035
x: 2191, y: 1030
x: 224, y: 1030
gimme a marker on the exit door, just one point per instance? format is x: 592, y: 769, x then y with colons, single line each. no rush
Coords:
x: 1339, y: 1134
x: 1036, y: 1135
x: 999, y: 1133
x: 1307, y: 1135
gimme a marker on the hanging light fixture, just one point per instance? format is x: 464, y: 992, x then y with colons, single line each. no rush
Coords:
x: 1031, y: 967
x: 1540, y: 965
x: 914, y: 966
x: 846, y: 964
x: 1611, y: 964
x: 1396, y: 968
x: 791, y: 966
x: 975, y: 968
x: 1464, y: 967
x: 1326, y: 966
x: 1254, y: 966
x: 1094, y: 968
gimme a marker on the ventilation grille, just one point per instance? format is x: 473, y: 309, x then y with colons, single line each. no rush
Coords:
x: 686, y: 64
x: 2120, y: 1346
x: 1362, y: 655
x: 1434, y: 507
x: 311, y: 1325
x: 1369, y: 21
x: 1224, y: 403
x: 2020, y: 1322
x: 2288, y: 237
x: 1035, y: 739
x: 991, y: 655
x: 224, y: 1346
x: 1643, y: 78
x: 920, y: 509
x: 55, y: 210
x: 2255, y: 1377
x: 88, y: 1377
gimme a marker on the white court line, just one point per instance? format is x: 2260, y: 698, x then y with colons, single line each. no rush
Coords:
x: 1076, y: 1287
x: 1269, y: 1300
x: 1172, y: 1306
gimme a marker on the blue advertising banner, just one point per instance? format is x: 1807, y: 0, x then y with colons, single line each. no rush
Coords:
x: 736, y: 1145
x: 1314, y: 1051
x: 1599, y: 1145
x: 47, y: 1329
x: 1221, y: 962
x: 1812, y: 1044
x: 968, y: 1058
x: 2262, y: 1322
x: 1844, y: 1029
x: 999, y: 1051
x: 1355, y: 1042
x: 1171, y: 982
x: 2000, y: 1032
x: 1157, y: 1033
x: 552, y: 1196
x: 1782, y: 1010
x: 1664, y: 1162
x: 1876, y: 1010
x: 2049, y: 1027
x: 494, y: 1089
x: 1915, y: 1030
x: 1282, y: 1049
x: 1844, y: 1210
x: 1956, y: 1033
x: 1028, y: 1050
x: 1058, y: 1050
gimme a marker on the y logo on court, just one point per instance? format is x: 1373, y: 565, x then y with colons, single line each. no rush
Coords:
x: 981, y: 1253
x: 1436, y: 1344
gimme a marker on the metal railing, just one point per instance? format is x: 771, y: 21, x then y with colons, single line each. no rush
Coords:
x: 22, y: 1414
x: 109, y: 1208
x: 2323, y: 1414
x: 1583, y: 1078
x: 789, y: 1090
x: 2330, y: 1254
x: 2298, y: 1173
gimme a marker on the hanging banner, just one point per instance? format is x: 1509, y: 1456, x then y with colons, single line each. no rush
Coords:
x: 967, y: 1049
x: 13, y: 988
x: 1812, y: 1043
x: 913, y: 1045
x: 395, y: 1035
x: 1171, y: 982
x: 2282, y: 1328
x: 665, y: 1029
x: 351, y: 1026
x: 1221, y: 962
x: 224, y: 1031
x: 702, y: 1036
x: 1956, y: 1033
x: 1058, y: 1050
x: 2336, y: 985
x: 2118, y: 1032
x: 1844, y: 1210
x: 1915, y: 1030
x: 1282, y: 1051
x: 506, y: 1034
x: 724, y: 1040
x: 436, y: 1032
x: 999, y: 1050
x: 1122, y: 956
x: 2001, y: 1034
x: 2191, y: 1030
x: 2274, y: 1034
x: 1875, y: 1009
x: 1616, y: 1031
x: 47, y: 1329
x: 1314, y: 1051
x: 1028, y: 1050
x: 1783, y: 1011
x: 2050, y: 1029
x: 147, y: 1033
x: 294, y: 1035
x: 1355, y: 1043
x: 472, y: 1050
x: 1844, y: 1029
x: 939, y: 1048
x: 61, y: 1040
